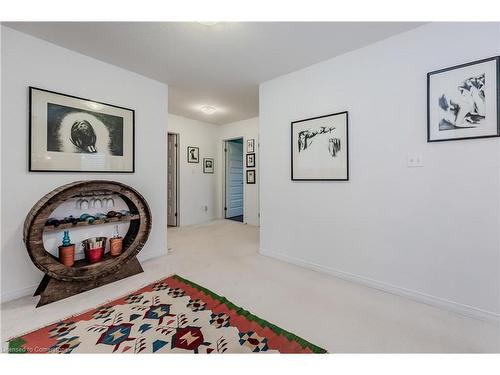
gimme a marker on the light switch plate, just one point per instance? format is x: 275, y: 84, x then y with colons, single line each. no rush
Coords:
x: 415, y: 161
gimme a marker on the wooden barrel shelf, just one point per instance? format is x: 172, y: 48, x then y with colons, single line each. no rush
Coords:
x: 61, y: 281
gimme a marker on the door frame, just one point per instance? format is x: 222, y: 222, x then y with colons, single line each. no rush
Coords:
x: 224, y: 175
x: 177, y: 180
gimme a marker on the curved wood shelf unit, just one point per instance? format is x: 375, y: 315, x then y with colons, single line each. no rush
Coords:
x: 61, y: 281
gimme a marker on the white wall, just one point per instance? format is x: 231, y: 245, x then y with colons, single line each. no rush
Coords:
x: 430, y: 233
x: 196, y: 189
x: 29, y: 61
x: 247, y: 129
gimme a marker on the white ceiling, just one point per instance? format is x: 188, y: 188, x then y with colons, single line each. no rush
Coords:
x: 220, y: 65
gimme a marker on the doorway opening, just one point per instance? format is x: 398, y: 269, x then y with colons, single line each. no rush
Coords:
x: 233, y: 176
x: 173, y: 180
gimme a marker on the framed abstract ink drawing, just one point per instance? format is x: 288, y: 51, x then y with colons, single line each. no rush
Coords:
x: 463, y: 101
x: 250, y: 176
x: 320, y: 148
x: 250, y: 160
x: 208, y: 165
x: 193, y: 154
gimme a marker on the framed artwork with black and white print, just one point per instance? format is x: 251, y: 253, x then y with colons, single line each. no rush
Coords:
x: 250, y: 176
x: 193, y: 154
x: 250, y: 145
x: 463, y: 101
x: 72, y: 134
x: 250, y: 162
x: 320, y: 148
x: 208, y: 165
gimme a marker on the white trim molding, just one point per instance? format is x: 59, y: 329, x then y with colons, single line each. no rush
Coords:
x: 11, y: 295
x: 455, y: 307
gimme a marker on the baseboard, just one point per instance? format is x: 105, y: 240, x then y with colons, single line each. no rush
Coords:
x: 252, y: 223
x: 18, y: 293
x: 29, y: 290
x: 203, y: 221
x: 146, y: 255
x: 455, y: 307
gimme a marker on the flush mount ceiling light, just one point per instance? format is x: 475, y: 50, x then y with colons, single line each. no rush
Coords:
x: 208, y: 109
x: 208, y: 23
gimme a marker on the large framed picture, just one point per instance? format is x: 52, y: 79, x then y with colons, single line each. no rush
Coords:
x: 320, y: 148
x: 72, y: 134
x: 193, y: 154
x: 463, y: 101
x: 208, y: 165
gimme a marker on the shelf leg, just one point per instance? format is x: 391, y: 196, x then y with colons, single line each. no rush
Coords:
x: 43, y: 284
x: 55, y: 290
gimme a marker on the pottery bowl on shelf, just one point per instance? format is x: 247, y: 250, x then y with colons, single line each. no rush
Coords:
x: 94, y: 248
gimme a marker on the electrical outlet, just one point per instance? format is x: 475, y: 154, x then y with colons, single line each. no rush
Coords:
x: 415, y: 161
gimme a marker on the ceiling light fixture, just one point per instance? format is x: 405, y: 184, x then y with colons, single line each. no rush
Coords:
x: 208, y: 23
x: 208, y: 109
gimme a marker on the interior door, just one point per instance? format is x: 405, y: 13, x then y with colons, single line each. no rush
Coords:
x: 172, y: 180
x: 234, y: 178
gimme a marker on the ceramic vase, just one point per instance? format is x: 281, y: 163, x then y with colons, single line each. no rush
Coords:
x: 115, y: 246
x: 67, y: 255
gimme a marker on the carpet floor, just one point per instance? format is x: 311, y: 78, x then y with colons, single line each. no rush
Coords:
x: 173, y: 315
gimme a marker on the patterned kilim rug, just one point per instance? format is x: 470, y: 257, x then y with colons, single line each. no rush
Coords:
x: 170, y: 316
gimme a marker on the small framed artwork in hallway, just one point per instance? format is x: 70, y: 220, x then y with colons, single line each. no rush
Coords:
x: 193, y: 154
x: 251, y: 176
x: 173, y: 180
x: 250, y: 160
x: 208, y: 165
x: 234, y: 195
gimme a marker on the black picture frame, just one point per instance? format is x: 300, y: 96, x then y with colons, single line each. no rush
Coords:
x: 249, y: 173
x: 250, y: 160
x: 189, y: 160
x: 250, y: 146
x: 293, y: 178
x: 497, y: 91
x: 207, y: 169
x: 31, y: 90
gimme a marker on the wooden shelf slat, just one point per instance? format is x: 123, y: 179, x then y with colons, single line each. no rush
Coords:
x: 83, y: 262
x: 80, y: 224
